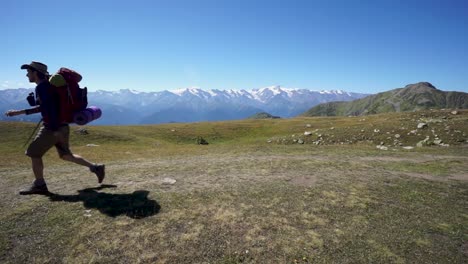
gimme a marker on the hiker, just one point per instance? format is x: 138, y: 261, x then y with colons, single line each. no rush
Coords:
x: 52, y: 133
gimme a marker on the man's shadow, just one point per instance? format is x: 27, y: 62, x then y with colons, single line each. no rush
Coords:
x: 134, y: 205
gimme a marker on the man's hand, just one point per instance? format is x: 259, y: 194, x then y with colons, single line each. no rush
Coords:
x: 14, y: 112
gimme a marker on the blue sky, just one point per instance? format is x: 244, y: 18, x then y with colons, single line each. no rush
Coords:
x: 355, y: 45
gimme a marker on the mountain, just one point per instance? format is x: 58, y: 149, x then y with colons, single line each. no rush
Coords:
x: 16, y: 99
x: 263, y: 115
x: 127, y: 106
x: 412, y: 97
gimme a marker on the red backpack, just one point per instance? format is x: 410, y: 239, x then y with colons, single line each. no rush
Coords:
x: 71, y: 97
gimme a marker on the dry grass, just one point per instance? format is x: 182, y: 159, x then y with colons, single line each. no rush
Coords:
x: 237, y: 200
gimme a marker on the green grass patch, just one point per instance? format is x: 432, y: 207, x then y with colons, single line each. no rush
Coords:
x: 438, y: 168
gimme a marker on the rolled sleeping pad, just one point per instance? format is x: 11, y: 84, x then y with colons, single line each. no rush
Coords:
x: 83, y: 117
x: 96, y: 112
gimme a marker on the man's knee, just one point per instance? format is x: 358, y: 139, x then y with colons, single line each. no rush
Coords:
x: 67, y: 157
x: 34, y: 152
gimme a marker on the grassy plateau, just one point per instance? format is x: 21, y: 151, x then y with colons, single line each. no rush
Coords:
x: 368, y: 189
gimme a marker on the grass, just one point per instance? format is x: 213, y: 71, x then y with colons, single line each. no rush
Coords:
x: 241, y: 199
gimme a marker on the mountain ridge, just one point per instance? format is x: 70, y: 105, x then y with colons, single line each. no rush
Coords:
x: 129, y: 106
x: 412, y: 97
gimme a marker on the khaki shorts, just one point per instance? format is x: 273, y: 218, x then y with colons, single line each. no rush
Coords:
x: 46, y: 139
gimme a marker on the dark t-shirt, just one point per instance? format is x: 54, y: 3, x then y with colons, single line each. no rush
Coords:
x: 48, y: 105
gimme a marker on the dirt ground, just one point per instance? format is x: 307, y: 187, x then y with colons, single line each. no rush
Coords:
x: 218, y: 170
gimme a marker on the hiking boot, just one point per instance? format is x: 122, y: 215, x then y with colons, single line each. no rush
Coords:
x: 100, y: 171
x: 34, y: 189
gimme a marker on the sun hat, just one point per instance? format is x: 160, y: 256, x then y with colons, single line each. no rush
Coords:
x: 40, y: 67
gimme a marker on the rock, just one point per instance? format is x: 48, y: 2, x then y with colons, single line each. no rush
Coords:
x: 425, y: 142
x: 397, y: 136
x: 381, y: 147
x: 300, y: 141
x: 422, y: 125
x: 168, y: 181
x: 82, y: 131
x: 454, y: 112
x: 438, y: 141
x: 201, y: 141
x: 307, y: 133
x: 92, y: 145
x: 408, y: 147
x: 376, y: 130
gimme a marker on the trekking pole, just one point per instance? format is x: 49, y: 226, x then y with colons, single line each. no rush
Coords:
x: 34, y: 132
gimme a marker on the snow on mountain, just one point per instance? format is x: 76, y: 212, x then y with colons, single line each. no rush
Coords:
x: 128, y: 91
x: 186, y: 91
x: 195, y: 104
x: 260, y: 95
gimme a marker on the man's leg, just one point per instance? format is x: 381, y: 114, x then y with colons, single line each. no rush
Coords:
x: 98, y: 169
x: 39, y: 185
x: 63, y: 149
x: 38, y: 168
x: 77, y: 159
x: 43, y: 141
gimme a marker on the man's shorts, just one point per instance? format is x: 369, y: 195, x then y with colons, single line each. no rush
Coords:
x: 46, y: 139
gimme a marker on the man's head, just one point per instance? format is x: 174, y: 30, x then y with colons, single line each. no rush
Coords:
x: 36, y: 71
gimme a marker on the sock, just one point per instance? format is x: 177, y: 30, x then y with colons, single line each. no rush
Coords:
x: 39, y: 182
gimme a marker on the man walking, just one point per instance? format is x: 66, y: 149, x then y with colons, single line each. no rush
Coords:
x: 52, y: 133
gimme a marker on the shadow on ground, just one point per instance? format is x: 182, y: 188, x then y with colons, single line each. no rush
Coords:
x: 134, y: 205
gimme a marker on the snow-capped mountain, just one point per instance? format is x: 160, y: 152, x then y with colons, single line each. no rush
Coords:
x: 192, y: 104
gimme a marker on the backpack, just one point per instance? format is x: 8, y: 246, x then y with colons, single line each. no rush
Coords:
x: 71, y: 98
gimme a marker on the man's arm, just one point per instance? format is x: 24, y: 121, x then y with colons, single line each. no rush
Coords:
x: 23, y: 112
